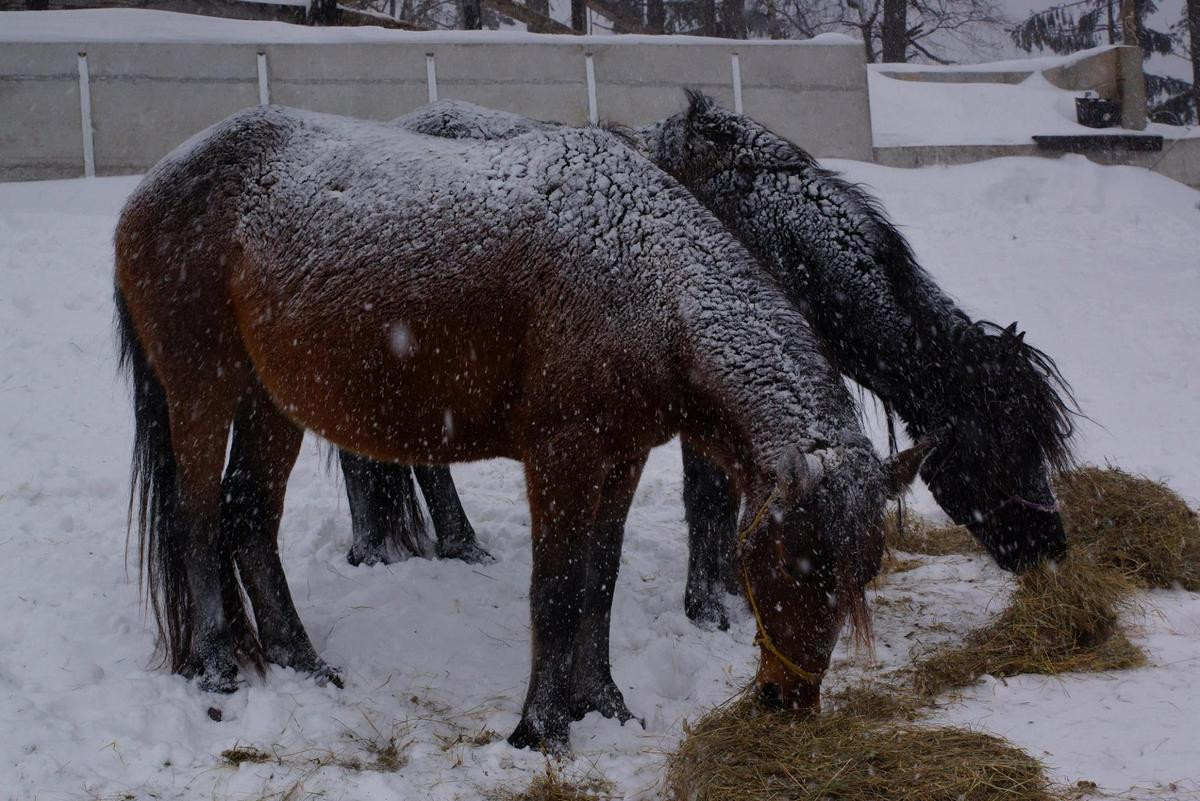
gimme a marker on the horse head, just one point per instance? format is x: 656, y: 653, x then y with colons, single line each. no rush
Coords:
x: 805, y: 555
x: 1008, y: 424
x: 697, y: 143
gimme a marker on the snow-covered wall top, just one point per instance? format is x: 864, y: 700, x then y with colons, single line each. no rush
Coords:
x: 1026, y: 65
x: 137, y: 25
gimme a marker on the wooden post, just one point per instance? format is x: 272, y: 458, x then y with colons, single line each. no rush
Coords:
x: 579, y: 13
x: 1193, y: 18
x: 708, y: 17
x: 1129, y: 23
x: 470, y: 15
x: 894, y: 31
x: 656, y: 15
x: 733, y: 19
x: 323, y: 12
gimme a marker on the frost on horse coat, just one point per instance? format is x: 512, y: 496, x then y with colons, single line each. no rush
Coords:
x: 1002, y: 410
x: 552, y: 298
x: 880, y: 317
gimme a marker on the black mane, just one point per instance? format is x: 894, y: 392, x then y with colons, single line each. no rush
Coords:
x: 985, y: 373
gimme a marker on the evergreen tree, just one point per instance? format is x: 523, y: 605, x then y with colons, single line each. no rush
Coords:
x: 1074, y: 26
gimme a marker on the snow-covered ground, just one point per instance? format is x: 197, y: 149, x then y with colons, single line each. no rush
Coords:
x: 1099, y: 264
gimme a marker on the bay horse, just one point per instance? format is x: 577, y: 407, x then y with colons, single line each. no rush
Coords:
x: 1002, y: 403
x: 552, y: 298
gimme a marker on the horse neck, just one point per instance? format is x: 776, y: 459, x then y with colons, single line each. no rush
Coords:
x: 879, y: 316
x: 756, y: 382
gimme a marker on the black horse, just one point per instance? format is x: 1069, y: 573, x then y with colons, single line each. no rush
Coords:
x: 1001, y: 406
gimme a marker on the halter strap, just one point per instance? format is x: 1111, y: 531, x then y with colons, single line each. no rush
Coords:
x: 1015, y: 499
x: 762, y: 638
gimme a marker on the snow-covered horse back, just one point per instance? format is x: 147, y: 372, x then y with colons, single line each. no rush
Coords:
x: 552, y: 298
x: 882, y: 319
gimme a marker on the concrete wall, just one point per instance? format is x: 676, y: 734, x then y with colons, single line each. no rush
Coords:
x: 148, y: 97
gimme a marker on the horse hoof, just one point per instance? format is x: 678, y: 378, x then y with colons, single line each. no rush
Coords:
x: 367, y: 556
x: 709, y: 615
x: 328, y: 675
x: 604, y: 698
x: 552, y: 740
x: 469, y: 552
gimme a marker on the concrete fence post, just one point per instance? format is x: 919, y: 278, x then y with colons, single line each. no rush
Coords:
x: 1131, y: 87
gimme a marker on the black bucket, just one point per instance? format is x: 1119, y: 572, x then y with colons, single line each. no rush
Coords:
x: 1096, y: 112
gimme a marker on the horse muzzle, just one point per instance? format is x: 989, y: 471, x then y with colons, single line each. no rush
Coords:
x: 1021, y: 535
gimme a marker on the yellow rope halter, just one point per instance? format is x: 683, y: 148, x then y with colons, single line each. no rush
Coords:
x: 763, y: 638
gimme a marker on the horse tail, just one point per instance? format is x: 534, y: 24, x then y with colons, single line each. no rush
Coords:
x: 153, y: 497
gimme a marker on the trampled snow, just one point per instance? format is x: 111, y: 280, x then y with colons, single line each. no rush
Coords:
x: 1099, y: 264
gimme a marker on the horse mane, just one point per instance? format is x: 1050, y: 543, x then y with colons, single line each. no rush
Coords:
x: 1029, y: 382
x: 626, y: 134
x: 1042, y: 394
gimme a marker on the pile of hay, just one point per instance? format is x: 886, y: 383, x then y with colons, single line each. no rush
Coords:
x: 1132, y: 524
x: 1061, y: 618
x: 1126, y: 531
x: 867, y: 748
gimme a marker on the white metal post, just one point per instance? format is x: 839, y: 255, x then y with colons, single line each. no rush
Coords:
x: 593, y: 113
x: 736, y: 64
x: 264, y: 88
x: 85, y: 117
x: 431, y: 77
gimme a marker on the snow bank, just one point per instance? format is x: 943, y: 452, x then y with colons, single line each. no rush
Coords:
x: 920, y: 113
x: 1099, y: 264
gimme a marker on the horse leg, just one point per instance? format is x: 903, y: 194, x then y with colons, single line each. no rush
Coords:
x: 199, y: 425
x: 384, y: 513
x: 593, y: 688
x: 261, y: 457
x: 563, y: 500
x: 710, y: 506
x: 455, y: 536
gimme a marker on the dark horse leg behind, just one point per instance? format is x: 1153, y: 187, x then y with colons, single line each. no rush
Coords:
x: 386, y: 516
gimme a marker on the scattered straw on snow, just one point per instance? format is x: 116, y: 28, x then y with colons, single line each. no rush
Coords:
x: 554, y: 785
x: 919, y: 535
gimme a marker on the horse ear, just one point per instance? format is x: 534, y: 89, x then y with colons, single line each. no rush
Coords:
x: 698, y: 102
x: 798, y: 474
x: 901, y: 470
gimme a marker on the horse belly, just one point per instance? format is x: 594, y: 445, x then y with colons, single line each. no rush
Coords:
x: 416, y: 382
